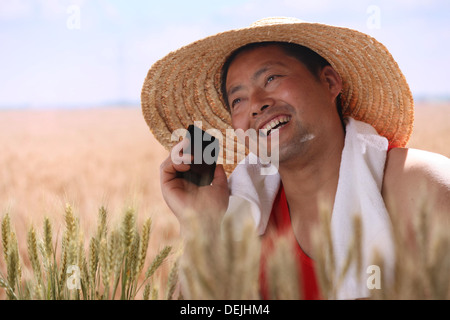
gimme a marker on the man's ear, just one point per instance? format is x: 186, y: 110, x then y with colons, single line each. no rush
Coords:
x: 333, y: 81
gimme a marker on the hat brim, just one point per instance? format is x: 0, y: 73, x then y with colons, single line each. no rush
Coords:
x: 184, y: 86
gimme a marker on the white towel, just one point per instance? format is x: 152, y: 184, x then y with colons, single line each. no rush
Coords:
x: 359, y: 192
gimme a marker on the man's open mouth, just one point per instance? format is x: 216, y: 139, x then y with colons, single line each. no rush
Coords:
x: 273, y: 124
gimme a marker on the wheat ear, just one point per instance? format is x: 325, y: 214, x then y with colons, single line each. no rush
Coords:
x: 6, y: 235
x: 33, y: 255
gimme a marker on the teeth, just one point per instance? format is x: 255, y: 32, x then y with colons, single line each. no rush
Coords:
x: 272, y: 124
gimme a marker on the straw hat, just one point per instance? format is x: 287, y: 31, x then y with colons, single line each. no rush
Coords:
x: 184, y: 86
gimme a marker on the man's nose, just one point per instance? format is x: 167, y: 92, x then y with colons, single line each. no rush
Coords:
x: 260, y: 102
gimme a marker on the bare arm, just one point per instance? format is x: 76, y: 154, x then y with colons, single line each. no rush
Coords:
x: 414, y: 179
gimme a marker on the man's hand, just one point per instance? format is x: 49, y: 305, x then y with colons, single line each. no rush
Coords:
x: 183, y: 196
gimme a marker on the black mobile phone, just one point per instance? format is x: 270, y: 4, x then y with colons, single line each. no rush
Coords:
x: 205, y: 149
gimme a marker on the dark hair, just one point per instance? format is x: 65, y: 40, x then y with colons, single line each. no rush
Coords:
x: 313, y: 62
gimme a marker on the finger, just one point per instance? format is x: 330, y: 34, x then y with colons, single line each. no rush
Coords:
x: 180, y: 149
x: 220, y: 177
x: 182, y: 167
x: 168, y: 169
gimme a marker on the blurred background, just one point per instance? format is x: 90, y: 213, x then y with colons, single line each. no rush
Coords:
x: 84, y: 53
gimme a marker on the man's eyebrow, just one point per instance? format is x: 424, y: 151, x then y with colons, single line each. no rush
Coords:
x: 234, y: 89
x: 266, y: 67
x: 256, y: 75
x: 260, y: 72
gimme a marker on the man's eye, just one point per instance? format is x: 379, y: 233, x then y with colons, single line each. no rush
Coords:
x: 271, y: 78
x: 235, y: 101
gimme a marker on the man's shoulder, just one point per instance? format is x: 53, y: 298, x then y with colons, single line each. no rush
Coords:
x: 413, y: 175
x: 414, y: 164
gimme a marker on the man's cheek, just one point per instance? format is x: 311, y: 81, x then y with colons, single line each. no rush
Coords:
x: 239, y: 124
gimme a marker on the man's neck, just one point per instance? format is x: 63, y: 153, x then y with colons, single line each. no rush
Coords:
x: 306, y: 183
x: 311, y: 186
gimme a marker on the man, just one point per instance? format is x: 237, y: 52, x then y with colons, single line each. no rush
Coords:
x: 320, y: 107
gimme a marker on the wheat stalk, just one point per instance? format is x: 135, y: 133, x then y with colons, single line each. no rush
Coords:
x: 157, y: 261
x: 105, y: 266
x: 282, y: 270
x: 33, y: 255
x: 48, y: 238
x: 13, y: 265
x: 113, y: 257
x: 217, y: 262
x: 144, y: 244
x: 6, y: 234
x: 146, y: 294
x: 127, y: 228
x: 213, y: 263
x: 172, y: 282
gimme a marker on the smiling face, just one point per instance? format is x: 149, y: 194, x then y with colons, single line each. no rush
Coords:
x: 268, y: 89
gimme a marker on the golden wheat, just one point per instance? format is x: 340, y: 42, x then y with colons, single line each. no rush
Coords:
x: 79, y: 274
x: 215, y: 262
x: 282, y: 272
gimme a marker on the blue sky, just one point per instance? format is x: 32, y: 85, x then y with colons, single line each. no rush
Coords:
x: 80, y: 53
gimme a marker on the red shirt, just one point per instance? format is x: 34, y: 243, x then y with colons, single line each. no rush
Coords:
x: 280, y: 223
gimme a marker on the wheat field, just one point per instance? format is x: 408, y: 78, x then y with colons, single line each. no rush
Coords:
x: 89, y: 158
x: 85, y: 158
